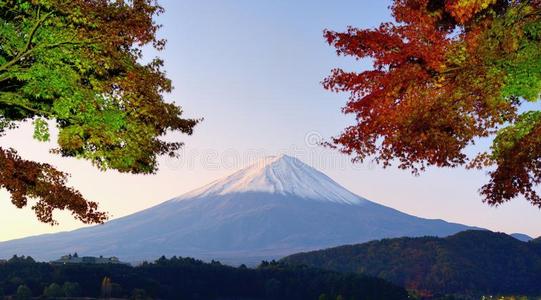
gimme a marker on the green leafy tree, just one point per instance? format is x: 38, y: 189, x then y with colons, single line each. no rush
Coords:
x: 71, y: 289
x: 23, y: 293
x: 53, y: 291
x: 77, y: 64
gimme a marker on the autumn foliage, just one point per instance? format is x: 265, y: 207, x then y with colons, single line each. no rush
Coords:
x: 79, y: 64
x: 445, y: 74
x: 27, y: 179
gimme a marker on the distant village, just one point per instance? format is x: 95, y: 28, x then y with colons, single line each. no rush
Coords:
x: 76, y: 259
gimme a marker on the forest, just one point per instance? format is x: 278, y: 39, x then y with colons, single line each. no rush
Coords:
x: 468, y: 264
x: 185, y: 278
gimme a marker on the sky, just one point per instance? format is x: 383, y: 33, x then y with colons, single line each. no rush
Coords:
x: 253, y: 71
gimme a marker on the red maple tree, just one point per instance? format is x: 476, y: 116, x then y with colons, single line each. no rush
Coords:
x: 446, y: 73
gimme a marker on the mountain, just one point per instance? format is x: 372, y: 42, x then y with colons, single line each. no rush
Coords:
x: 276, y: 207
x: 522, y: 237
x: 468, y: 263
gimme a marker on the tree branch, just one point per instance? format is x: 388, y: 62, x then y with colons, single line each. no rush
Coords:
x: 4, y: 99
x: 53, y: 45
x: 26, y: 50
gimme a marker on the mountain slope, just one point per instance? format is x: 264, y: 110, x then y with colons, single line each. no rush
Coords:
x: 274, y: 208
x: 468, y: 263
x: 522, y: 237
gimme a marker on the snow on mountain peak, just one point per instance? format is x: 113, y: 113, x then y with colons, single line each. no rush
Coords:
x: 284, y: 175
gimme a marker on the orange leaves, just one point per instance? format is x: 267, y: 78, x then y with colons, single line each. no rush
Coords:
x: 464, y: 10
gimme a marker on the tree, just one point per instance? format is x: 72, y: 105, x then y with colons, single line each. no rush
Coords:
x: 323, y: 297
x: 273, y: 289
x: 139, y: 294
x: 53, y: 291
x: 21, y: 259
x: 23, y: 293
x: 78, y: 64
x: 445, y: 74
x: 116, y: 290
x: 71, y: 289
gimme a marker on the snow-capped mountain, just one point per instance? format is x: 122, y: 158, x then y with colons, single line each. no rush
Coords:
x: 284, y: 175
x: 273, y: 208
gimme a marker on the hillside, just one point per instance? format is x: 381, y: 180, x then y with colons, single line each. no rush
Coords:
x: 469, y: 263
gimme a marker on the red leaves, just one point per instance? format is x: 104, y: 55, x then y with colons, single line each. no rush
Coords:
x: 26, y: 180
x: 434, y: 89
x: 396, y: 103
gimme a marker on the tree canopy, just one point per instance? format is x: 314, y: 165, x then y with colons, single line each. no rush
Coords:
x: 445, y: 74
x: 467, y: 264
x: 78, y: 64
x: 188, y: 278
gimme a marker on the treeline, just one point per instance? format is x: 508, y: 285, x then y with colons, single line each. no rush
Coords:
x: 469, y: 264
x: 186, y: 278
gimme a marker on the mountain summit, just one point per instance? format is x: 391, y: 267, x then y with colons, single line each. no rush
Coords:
x: 283, y: 175
x: 276, y: 207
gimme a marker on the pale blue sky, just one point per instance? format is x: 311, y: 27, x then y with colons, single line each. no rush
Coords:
x: 252, y: 69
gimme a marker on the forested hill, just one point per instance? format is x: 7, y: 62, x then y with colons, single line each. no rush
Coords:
x: 186, y: 278
x: 467, y: 263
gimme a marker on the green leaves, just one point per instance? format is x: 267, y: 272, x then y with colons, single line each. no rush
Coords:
x: 41, y: 130
x: 76, y: 63
x: 109, y: 108
x: 508, y: 137
x: 523, y: 73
